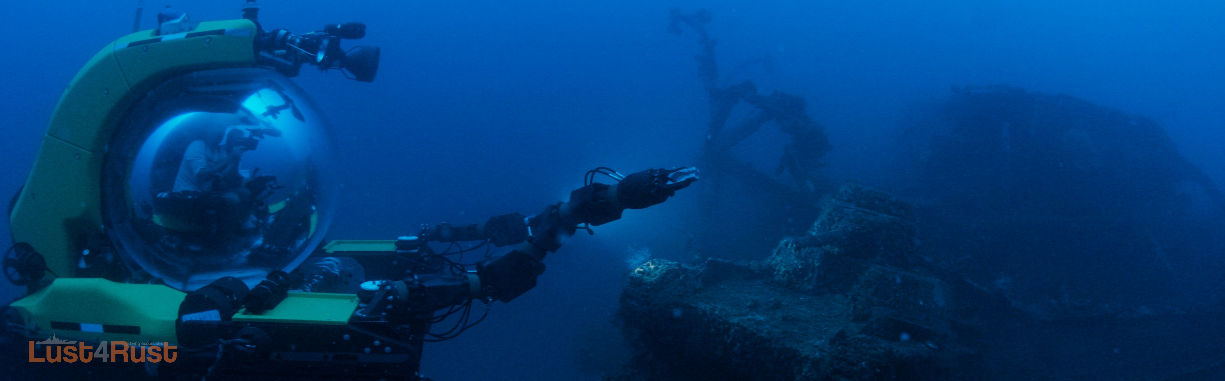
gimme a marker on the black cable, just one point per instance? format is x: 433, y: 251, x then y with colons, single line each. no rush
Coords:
x: 479, y: 320
x: 459, y: 323
x: 464, y: 308
x: 466, y: 324
x: 448, y: 249
x: 455, y: 267
x: 484, y: 244
x: 443, y: 317
x: 463, y: 250
x: 458, y: 265
x: 455, y: 329
x: 589, y: 177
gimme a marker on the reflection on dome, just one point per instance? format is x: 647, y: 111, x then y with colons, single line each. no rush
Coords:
x: 219, y: 173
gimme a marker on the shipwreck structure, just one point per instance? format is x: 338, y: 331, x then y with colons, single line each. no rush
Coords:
x: 846, y: 300
x: 1069, y: 208
x: 1044, y: 237
x: 854, y: 299
x: 737, y: 112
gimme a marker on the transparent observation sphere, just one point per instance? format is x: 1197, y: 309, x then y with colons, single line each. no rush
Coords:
x: 219, y: 173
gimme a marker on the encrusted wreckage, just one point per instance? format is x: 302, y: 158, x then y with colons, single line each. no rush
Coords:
x: 845, y: 301
x: 853, y: 299
x: 1069, y: 208
x: 1060, y: 240
x: 738, y: 111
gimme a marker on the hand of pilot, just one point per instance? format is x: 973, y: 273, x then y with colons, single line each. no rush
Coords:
x: 238, y: 142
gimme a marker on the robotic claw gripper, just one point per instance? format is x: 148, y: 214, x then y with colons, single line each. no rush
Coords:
x: 111, y: 248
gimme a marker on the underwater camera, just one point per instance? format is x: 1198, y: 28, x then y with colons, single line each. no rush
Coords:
x: 287, y: 52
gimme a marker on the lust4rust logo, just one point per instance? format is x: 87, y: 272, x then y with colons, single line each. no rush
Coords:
x: 55, y: 350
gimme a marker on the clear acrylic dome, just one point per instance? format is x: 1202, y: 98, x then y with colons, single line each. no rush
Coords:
x: 219, y: 173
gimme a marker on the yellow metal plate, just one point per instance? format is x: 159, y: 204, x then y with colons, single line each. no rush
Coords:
x: 151, y: 63
x: 306, y: 308
x: 90, y: 103
x: 152, y: 307
x: 359, y: 246
x: 59, y: 204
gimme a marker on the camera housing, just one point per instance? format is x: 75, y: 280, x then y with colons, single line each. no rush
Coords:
x: 287, y: 52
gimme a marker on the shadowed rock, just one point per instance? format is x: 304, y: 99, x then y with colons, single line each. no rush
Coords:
x: 833, y: 304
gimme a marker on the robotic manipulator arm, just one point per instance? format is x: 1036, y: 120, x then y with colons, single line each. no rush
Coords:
x: 506, y: 277
x: 418, y: 283
x: 413, y: 301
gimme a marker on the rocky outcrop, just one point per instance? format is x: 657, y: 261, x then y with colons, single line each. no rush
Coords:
x: 845, y: 301
x: 856, y: 229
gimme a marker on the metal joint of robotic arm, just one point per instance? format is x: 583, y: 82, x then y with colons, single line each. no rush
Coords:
x: 501, y: 230
x: 506, y: 277
x: 420, y: 295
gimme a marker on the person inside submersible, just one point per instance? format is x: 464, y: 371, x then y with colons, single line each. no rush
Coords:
x: 152, y: 233
x: 211, y: 196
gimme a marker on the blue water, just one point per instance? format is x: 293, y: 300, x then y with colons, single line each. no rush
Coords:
x: 488, y: 107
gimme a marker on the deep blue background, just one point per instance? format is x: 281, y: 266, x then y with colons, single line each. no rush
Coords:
x: 488, y: 107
